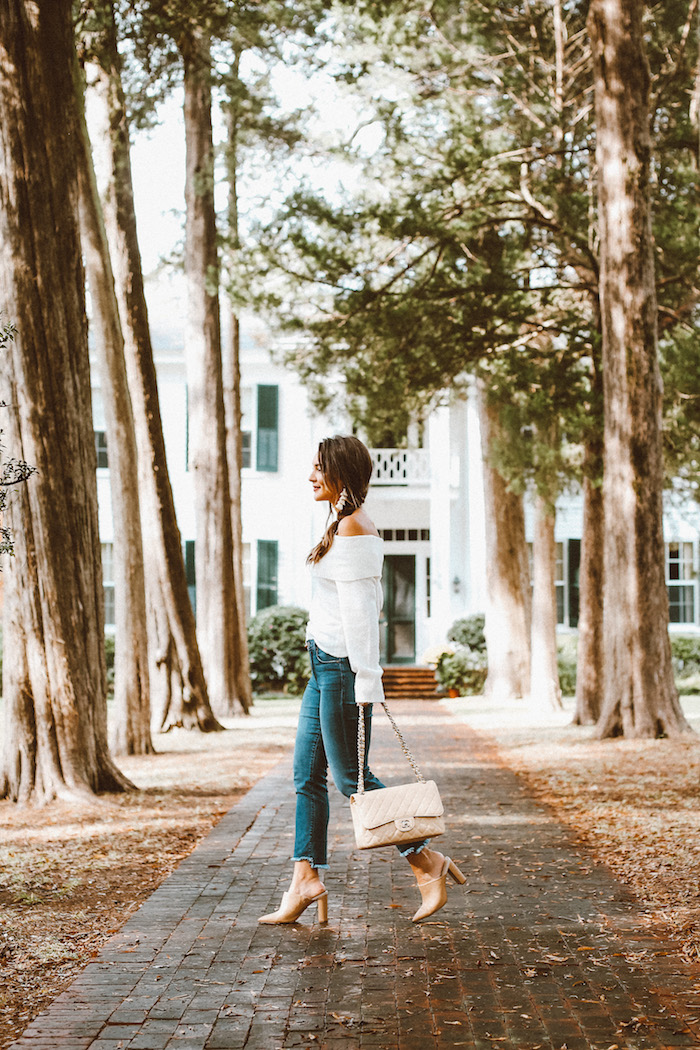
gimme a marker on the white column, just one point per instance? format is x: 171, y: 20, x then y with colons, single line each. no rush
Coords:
x: 477, y: 521
x: 440, y: 523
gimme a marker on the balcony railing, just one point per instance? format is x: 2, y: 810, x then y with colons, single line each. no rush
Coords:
x: 400, y: 466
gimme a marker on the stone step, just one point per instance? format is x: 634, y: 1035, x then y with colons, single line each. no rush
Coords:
x: 403, y: 682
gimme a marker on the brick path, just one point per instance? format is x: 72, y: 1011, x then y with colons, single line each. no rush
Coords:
x: 543, y: 950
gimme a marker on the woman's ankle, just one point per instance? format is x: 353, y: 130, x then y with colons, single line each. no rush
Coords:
x: 426, y: 863
x: 306, y: 881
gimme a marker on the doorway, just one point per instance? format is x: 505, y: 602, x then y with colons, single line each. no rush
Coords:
x: 398, y: 618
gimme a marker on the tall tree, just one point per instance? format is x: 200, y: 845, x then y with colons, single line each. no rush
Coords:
x: 178, y: 689
x: 232, y: 387
x: 55, y: 684
x: 217, y: 622
x: 640, y: 697
x: 131, y: 730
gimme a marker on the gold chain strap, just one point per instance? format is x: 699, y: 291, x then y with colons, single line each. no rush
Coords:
x: 361, y: 750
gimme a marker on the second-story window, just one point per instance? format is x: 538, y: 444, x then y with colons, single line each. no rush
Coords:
x: 247, y: 427
x: 260, y: 427
x: 268, y: 412
x: 101, y: 449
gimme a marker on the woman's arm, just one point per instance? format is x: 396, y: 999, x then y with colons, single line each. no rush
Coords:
x: 359, y: 614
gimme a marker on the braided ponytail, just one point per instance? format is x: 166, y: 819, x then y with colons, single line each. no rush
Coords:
x: 346, y: 466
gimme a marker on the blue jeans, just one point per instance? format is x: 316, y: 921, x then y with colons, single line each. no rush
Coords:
x: 327, y: 738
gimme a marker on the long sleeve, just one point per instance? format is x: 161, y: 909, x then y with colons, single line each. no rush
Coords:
x: 360, y: 602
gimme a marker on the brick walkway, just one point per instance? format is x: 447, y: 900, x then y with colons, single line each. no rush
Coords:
x: 542, y: 950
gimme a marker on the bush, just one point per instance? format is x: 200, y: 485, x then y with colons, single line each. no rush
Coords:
x: 109, y: 660
x: 566, y: 664
x: 685, y: 654
x: 278, y: 656
x: 469, y: 632
x: 464, y: 670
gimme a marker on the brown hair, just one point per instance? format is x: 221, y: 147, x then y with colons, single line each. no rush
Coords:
x: 346, y: 466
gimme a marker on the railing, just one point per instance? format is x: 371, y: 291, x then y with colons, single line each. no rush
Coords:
x: 400, y: 466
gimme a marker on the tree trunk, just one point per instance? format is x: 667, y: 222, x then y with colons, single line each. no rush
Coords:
x: 234, y: 455
x: 640, y: 698
x: 544, y: 672
x: 217, y: 626
x: 508, y: 604
x: 233, y: 417
x: 131, y: 729
x: 54, y: 667
x: 178, y: 689
x: 589, y: 658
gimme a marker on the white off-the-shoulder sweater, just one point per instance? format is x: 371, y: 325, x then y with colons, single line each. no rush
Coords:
x: 346, y: 599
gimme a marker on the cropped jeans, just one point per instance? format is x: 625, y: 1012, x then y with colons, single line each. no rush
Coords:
x: 327, y: 738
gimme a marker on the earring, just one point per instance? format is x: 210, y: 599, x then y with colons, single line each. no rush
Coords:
x: 339, y: 506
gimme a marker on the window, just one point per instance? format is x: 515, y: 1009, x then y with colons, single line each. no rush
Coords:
x: 566, y: 580
x: 108, y: 583
x: 246, y: 579
x: 681, y: 580
x: 401, y: 535
x: 267, y: 574
x: 101, y: 449
x: 560, y: 584
x: 190, y: 573
x: 260, y: 428
x: 246, y: 448
x: 268, y: 411
x: 246, y: 426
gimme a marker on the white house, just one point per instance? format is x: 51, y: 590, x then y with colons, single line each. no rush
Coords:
x: 426, y: 500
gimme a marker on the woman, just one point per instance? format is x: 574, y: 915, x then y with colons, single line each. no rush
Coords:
x: 343, y: 642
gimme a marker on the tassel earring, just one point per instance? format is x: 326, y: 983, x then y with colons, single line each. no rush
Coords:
x: 339, y: 506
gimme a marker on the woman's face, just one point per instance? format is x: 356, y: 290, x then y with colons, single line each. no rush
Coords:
x: 319, y: 484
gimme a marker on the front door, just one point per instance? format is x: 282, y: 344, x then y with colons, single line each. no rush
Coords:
x: 398, y: 620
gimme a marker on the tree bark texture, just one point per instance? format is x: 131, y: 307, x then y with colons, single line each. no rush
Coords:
x: 508, y: 606
x: 179, y: 694
x: 589, y: 653
x: 54, y: 666
x: 234, y: 456
x: 545, y: 690
x: 233, y: 418
x: 131, y: 730
x: 640, y: 698
x: 217, y: 627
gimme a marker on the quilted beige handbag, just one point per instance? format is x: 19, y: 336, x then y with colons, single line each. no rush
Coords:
x: 404, y: 813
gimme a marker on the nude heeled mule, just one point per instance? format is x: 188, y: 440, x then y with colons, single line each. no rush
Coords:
x: 292, y: 907
x: 434, y: 892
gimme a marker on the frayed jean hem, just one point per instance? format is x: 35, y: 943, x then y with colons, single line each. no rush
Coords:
x: 308, y: 860
x: 413, y: 850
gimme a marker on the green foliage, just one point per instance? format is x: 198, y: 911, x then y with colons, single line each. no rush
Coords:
x: 276, y: 642
x: 463, y: 665
x: 685, y: 654
x: 109, y: 660
x: 469, y: 632
x: 464, y: 670
x: 471, y: 245
x: 566, y: 663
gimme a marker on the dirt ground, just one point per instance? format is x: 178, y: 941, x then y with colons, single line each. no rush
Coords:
x: 70, y: 878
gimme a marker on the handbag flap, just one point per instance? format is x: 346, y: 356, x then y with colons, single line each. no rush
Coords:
x: 374, y: 808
